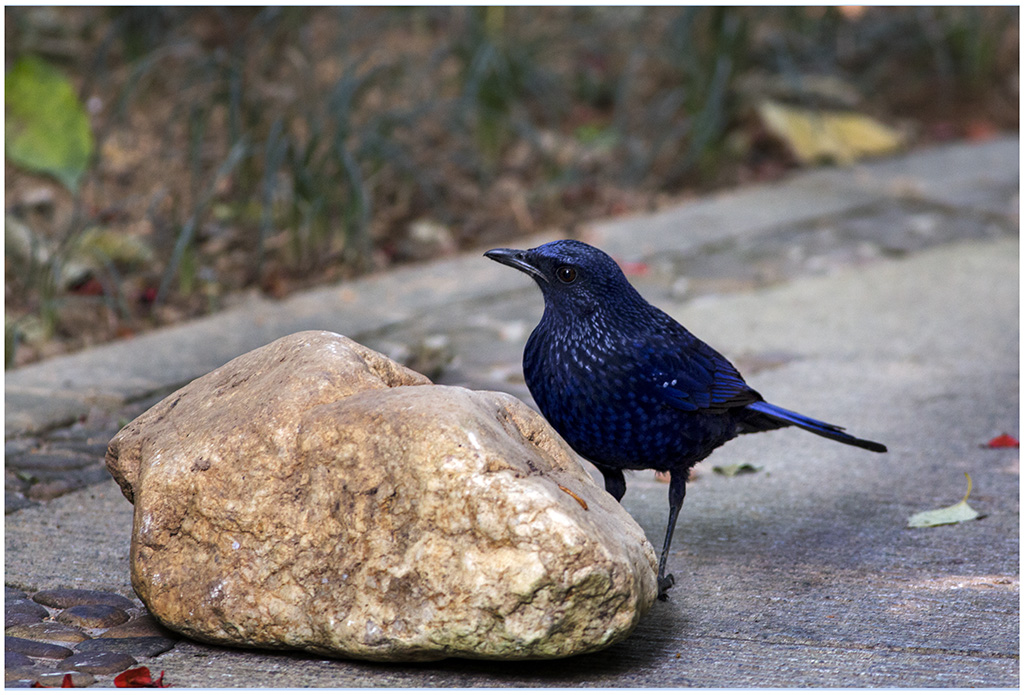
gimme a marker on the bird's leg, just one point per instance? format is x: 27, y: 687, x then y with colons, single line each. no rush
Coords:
x: 614, y: 482
x: 676, y: 493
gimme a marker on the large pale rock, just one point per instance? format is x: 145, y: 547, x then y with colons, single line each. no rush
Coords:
x: 313, y: 494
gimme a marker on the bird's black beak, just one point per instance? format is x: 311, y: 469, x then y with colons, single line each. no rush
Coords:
x: 514, y: 258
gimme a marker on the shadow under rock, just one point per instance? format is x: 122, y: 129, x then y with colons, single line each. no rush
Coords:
x: 625, y: 664
x: 650, y: 644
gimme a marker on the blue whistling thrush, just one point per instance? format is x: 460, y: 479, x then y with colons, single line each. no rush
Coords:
x: 626, y: 385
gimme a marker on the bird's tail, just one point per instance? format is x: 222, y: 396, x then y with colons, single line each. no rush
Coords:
x: 765, y: 416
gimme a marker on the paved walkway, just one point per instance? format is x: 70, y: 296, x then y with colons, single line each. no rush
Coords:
x: 883, y: 297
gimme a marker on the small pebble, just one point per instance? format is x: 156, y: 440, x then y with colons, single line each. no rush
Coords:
x: 17, y: 481
x: 18, y: 673
x: 53, y: 461
x: 93, y: 615
x: 56, y: 680
x: 12, y: 619
x: 135, y: 646
x: 40, y: 650
x: 97, y: 663
x: 69, y: 433
x: 12, y: 594
x: 14, y: 500
x: 20, y: 683
x: 48, y: 485
x: 143, y: 626
x: 47, y: 632
x: 24, y: 605
x: 53, y: 489
x: 97, y: 448
x: 14, y: 447
x: 65, y: 598
x: 13, y: 659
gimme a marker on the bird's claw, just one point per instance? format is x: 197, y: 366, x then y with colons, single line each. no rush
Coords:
x: 664, y: 584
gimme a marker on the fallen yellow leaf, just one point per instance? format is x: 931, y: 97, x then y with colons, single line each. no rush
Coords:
x: 840, y: 136
x: 961, y: 511
x: 732, y: 470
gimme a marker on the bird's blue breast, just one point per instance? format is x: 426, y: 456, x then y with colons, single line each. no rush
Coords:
x: 604, y: 390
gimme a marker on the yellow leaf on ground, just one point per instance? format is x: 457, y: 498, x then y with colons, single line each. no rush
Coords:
x: 961, y: 511
x: 840, y: 136
x: 735, y: 469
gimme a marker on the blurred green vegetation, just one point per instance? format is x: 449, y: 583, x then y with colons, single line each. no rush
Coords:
x: 274, y: 148
x: 46, y: 128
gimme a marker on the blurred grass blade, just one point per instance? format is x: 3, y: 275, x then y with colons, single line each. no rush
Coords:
x: 47, y: 128
x: 274, y: 151
x: 187, y: 233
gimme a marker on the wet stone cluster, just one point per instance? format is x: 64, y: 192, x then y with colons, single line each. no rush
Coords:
x: 44, y: 466
x: 91, y: 635
x: 38, y: 472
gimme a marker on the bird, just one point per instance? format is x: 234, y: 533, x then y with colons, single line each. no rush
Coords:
x: 627, y: 386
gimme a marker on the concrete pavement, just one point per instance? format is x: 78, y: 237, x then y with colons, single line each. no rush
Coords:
x: 883, y: 297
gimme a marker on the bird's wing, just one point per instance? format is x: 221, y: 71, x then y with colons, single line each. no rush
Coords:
x: 699, y: 378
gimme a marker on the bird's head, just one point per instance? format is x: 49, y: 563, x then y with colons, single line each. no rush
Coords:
x: 574, y: 277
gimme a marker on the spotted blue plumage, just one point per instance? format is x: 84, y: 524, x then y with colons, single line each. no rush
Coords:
x: 626, y: 385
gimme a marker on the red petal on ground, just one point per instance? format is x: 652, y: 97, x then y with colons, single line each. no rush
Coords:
x: 980, y: 129
x: 90, y: 288
x: 135, y: 678
x: 1003, y: 441
x: 148, y: 295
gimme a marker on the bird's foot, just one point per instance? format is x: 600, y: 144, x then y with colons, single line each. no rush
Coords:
x: 664, y: 584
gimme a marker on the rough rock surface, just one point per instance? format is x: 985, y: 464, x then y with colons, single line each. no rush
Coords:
x: 313, y: 494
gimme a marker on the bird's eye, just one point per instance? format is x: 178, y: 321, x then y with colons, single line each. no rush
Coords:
x: 566, y: 274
